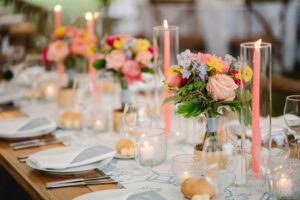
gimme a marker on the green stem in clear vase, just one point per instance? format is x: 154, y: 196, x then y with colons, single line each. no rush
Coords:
x: 211, y: 133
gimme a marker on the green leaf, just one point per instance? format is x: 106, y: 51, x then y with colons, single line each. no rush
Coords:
x: 147, y: 70
x: 99, y: 64
x: 171, y: 98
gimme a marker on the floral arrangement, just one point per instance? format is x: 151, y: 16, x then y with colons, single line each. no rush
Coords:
x: 127, y: 57
x: 68, y: 45
x: 204, y: 83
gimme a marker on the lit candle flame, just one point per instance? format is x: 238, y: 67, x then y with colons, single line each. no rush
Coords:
x: 96, y: 15
x: 165, y: 24
x: 57, y: 8
x: 257, y: 43
x: 88, y: 16
x: 146, y: 144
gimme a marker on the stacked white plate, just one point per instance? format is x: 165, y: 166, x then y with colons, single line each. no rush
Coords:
x: 70, y: 160
x: 19, y: 128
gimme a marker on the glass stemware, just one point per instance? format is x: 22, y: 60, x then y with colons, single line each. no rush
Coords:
x: 136, y: 121
x: 273, y: 154
x: 292, y: 118
x: 86, y: 98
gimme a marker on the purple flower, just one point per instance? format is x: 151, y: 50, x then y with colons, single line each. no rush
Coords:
x: 186, y: 73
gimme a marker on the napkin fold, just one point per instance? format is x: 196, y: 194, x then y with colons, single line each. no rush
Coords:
x: 25, y: 125
x: 70, y: 156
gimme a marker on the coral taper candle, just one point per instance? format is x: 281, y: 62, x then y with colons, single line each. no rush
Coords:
x: 57, y: 20
x: 256, y: 137
x: 91, y: 31
x: 167, y: 106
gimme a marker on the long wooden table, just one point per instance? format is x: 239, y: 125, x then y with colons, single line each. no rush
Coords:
x: 34, y: 181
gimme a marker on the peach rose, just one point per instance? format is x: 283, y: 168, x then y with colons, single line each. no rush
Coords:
x: 132, y: 71
x: 115, y: 59
x: 58, y: 51
x: 144, y: 57
x: 79, y: 46
x: 174, y: 79
x: 221, y: 87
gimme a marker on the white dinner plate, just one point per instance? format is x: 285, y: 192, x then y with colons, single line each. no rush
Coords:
x: 119, y: 156
x: 115, y: 194
x: 73, y: 170
x: 7, y: 126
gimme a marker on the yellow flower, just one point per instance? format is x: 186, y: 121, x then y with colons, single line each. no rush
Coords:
x: 91, y: 49
x: 118, y: 44
x: 214, y: 63
x: 60, y: 31
x: 142, y: 44
x: 173, y: 69
x: 247, y: 74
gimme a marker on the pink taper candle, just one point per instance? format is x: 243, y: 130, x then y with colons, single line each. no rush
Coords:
x: 167, y: 106
x: 57, y: 24
x: 91, y: 31
x: 256, y: 137
x: 57, y: 20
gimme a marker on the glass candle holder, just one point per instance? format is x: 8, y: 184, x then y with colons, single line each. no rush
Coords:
x: 286, y: 182
x: 165, y: 49
x: 100, y: 122
x: 255, y: 76
x: 185, y: 166
x: 152, y: 148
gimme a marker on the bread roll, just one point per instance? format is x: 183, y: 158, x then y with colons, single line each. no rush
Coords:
x: 124, y: 143
x: 193, y: 186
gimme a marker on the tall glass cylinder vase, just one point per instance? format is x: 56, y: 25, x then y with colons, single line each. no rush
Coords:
x: 255, y: 75
x: 166, y: 48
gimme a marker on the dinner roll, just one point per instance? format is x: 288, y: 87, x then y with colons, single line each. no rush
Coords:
x: 193, y: 186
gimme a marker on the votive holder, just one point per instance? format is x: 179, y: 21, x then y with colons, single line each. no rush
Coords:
x: 287, y: 181
x: 185, y: 166
x: 152, y: 148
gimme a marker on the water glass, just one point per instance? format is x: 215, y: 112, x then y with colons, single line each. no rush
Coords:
x: 292, y: 117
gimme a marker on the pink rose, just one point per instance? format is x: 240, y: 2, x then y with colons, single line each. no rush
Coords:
x: 174, y: 80
x: 57, y: 51
x: 79, y: 46
x: 221, y: 87
x: 44, y: 53
x: 115, y: 59
x: 144, y: 57
x: 132, y: 71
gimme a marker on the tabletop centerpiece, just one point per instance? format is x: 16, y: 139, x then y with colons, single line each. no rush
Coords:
x: 68, y: 48
x: 204, y: 84
x: 126, y: 58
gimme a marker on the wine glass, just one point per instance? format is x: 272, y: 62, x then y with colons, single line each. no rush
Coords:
x: 86, y: 97
x: 272, y: 154
x: 292, y: 118
x: 136, y: 121
x: 219, y: 165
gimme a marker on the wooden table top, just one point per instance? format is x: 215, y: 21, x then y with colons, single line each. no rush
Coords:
x: 34, y: 181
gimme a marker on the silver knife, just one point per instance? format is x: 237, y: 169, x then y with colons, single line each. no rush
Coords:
x: 78, y: 179
x: 80, y: 183
x: 36, y: 144
x: 24, y: 142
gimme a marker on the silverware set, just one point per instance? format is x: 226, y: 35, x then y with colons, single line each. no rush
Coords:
x: 82, y: 181
x: 37, y: 143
